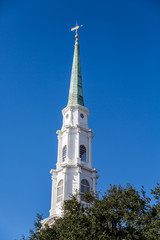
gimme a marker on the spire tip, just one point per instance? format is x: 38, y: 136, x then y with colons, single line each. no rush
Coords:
x: 76, y: 30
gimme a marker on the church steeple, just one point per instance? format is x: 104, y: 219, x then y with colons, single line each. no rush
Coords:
x: 74, y: 171
x: 76, y: 91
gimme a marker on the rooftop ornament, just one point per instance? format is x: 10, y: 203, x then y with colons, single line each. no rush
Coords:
x: 76, y: 30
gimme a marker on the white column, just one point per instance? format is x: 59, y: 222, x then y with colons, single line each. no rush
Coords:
x: 79, y: 179
x: 64, y: 183
x: 53, y: 196
x: 94, y: 181
x: 77, y: 147
x: 68, y: 144
x: 59, y: 157
x: 90, y: 150
x: 72, y: 117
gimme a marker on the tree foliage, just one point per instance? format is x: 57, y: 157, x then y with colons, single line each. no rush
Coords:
x: 121, y: 213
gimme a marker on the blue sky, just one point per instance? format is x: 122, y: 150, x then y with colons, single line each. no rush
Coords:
x: 120, y: 58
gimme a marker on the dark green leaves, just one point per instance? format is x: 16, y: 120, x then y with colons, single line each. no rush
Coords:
x: 121, y: 213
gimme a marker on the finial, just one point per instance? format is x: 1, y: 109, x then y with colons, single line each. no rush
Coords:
x: 76, y: 29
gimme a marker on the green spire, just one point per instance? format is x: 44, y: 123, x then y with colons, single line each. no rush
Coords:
x: 75, y: 90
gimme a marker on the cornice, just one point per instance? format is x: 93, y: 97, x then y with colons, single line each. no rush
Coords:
x: 66, y: 165
x: 75, y: 107
x: 66, y: 127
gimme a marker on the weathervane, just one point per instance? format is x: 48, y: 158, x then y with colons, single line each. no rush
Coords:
x: 76, y: 29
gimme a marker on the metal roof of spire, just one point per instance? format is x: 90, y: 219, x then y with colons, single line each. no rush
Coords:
x: 75, y: 90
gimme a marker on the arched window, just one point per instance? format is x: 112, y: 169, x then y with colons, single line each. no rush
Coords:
x: 64, y: 153
x: 84, y: 188
x: 60, y: 191
x: 83, y: 153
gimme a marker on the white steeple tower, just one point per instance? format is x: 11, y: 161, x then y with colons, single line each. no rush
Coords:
x: 74, y: 171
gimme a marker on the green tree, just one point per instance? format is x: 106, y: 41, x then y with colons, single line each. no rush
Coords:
x: 151, y: 227
x: 121, y: 213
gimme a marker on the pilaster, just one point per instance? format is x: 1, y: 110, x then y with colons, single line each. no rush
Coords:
x: 68, y: 144
x: 77, y: 146
x: 65, y: 195
x: 53, y: 196
x: 59, y: 157
x: 79, y: 179
x: 90, y: 149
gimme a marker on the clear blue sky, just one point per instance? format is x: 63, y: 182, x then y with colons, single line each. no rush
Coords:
x: 120, y: 57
